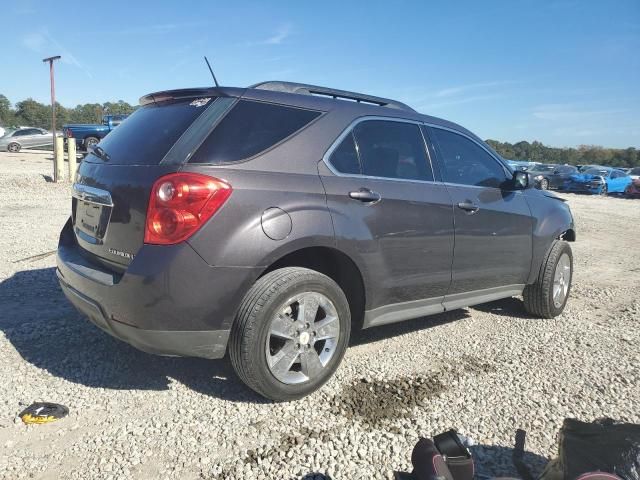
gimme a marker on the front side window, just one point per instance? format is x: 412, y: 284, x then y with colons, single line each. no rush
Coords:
x: 250, y: 128
x: 392, y: 150
x: 465, y: 162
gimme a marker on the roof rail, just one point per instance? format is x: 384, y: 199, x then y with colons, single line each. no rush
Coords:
x: 304, y: 89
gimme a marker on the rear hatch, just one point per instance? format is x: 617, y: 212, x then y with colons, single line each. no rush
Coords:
x: 114, y: 182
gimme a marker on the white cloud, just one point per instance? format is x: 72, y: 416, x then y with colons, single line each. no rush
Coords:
x: 569, y: 112
x: 456, y: 90
x: 459, y: 101
x: 279, y: 36
x: 43, y: 43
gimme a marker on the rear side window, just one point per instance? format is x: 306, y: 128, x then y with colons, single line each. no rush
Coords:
x: 149, y: 133
x: 345, y: 158
x: 250, y: 128
x: 465, y: 162
x: 392, y: 150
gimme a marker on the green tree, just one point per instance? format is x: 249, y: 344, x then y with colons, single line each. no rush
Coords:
x: 7, y: 117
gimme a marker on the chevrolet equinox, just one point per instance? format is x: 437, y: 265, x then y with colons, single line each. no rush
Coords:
x: 271, y: 221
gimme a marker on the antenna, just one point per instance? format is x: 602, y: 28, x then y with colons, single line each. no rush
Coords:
x: 210, y: 69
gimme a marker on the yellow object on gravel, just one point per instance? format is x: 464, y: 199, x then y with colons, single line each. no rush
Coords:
x: 43, y: 412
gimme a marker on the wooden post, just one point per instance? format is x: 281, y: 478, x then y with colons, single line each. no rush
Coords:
x: 58, y: 159
x: 56, y: 168
x: 71, y: 151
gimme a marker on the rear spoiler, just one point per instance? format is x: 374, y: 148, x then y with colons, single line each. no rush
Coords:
x: 165, y: 95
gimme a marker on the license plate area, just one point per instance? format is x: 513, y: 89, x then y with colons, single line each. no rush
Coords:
x: 91, y: 212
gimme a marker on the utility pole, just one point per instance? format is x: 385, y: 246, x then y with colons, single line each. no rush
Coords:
x: 53, y: 114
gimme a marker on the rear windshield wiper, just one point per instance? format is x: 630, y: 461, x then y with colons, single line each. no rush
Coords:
x: 100, y: 153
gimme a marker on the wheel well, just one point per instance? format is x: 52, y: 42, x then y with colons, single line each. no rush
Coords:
x: 568, y: 235
x: 335, y: 265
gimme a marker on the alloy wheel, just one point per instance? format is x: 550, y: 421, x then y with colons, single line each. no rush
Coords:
x: 302, y: 338
x: 561, y: 280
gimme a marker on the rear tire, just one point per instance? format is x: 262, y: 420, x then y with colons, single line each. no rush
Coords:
x: 547, y: 297
x: 13, y: 147
x: 90, y: 142
x: 271, y: 306
x: 544, y: 184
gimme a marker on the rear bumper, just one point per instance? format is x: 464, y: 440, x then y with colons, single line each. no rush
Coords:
x: 206, y: 343
x: 168, y: 302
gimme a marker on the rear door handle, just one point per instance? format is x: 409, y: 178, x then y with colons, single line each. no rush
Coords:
x: 468, y: 207
x: 365, y: 195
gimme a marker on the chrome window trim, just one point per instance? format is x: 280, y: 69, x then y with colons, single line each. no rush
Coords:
x: 350, y: 129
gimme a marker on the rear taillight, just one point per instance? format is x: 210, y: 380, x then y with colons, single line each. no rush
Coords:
x: 180, y: 204
x: 69, y: 133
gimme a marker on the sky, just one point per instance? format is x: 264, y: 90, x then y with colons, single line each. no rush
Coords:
x: 563, y: 72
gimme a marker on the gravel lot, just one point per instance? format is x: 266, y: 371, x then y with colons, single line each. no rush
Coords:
x: 486, y: 370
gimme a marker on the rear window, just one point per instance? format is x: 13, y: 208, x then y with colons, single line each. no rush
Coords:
x: 250, y: 128
x: 148, y: 134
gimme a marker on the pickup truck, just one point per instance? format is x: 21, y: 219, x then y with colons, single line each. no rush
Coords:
x: 88, y: 135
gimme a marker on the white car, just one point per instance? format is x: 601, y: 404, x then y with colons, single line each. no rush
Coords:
x: 25, y: 137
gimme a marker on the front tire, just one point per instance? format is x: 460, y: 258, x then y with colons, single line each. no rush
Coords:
x: 547, y: 297
x: 604, y: 190
x: 290, y: 334
x: 13, y: 147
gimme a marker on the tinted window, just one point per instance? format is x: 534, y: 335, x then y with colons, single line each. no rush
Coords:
x: 149, y: 133
x: 567, y: 169
x: 250, y: 128
x: 26, y: 131
x: 597, y: 171
x: 465, y: 162
x: 635, y: 171
x: 392, y: 150
x: 345, y: 158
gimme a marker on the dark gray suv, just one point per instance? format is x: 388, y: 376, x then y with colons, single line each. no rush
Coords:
x: 270, y: 221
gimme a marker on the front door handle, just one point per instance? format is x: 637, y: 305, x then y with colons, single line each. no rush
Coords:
x: 468, y: 207
x: 365, y: 195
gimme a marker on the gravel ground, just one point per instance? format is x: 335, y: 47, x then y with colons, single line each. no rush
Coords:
x: 486, y: 371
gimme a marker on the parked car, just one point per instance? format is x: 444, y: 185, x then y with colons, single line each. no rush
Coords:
x: 25, y: 137
x: 88, y: 135
x: 270, y: 221
x: 598, y: 181
x: 633, y: 189
x: 519, y: 165
x: 551, y: 176
x: 634, y: 173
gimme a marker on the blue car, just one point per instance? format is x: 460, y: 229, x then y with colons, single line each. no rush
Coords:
x: 598, y: 181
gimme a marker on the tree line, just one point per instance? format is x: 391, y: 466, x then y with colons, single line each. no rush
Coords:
x: 582, y: 155
x: 35, y: 114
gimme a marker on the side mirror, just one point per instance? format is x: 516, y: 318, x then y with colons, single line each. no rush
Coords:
x: 520, y: 180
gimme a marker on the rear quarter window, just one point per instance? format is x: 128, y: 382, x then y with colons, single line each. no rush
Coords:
x: 250, y: 128
x: 149, y: 133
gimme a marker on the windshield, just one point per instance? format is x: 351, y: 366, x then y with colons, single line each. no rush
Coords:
x: 597, y: 171
x: 543, y: 167
x: 634, y: 171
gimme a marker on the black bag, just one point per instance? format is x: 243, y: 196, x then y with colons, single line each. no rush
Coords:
x: 444, y: 457
x: 601, y: 446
